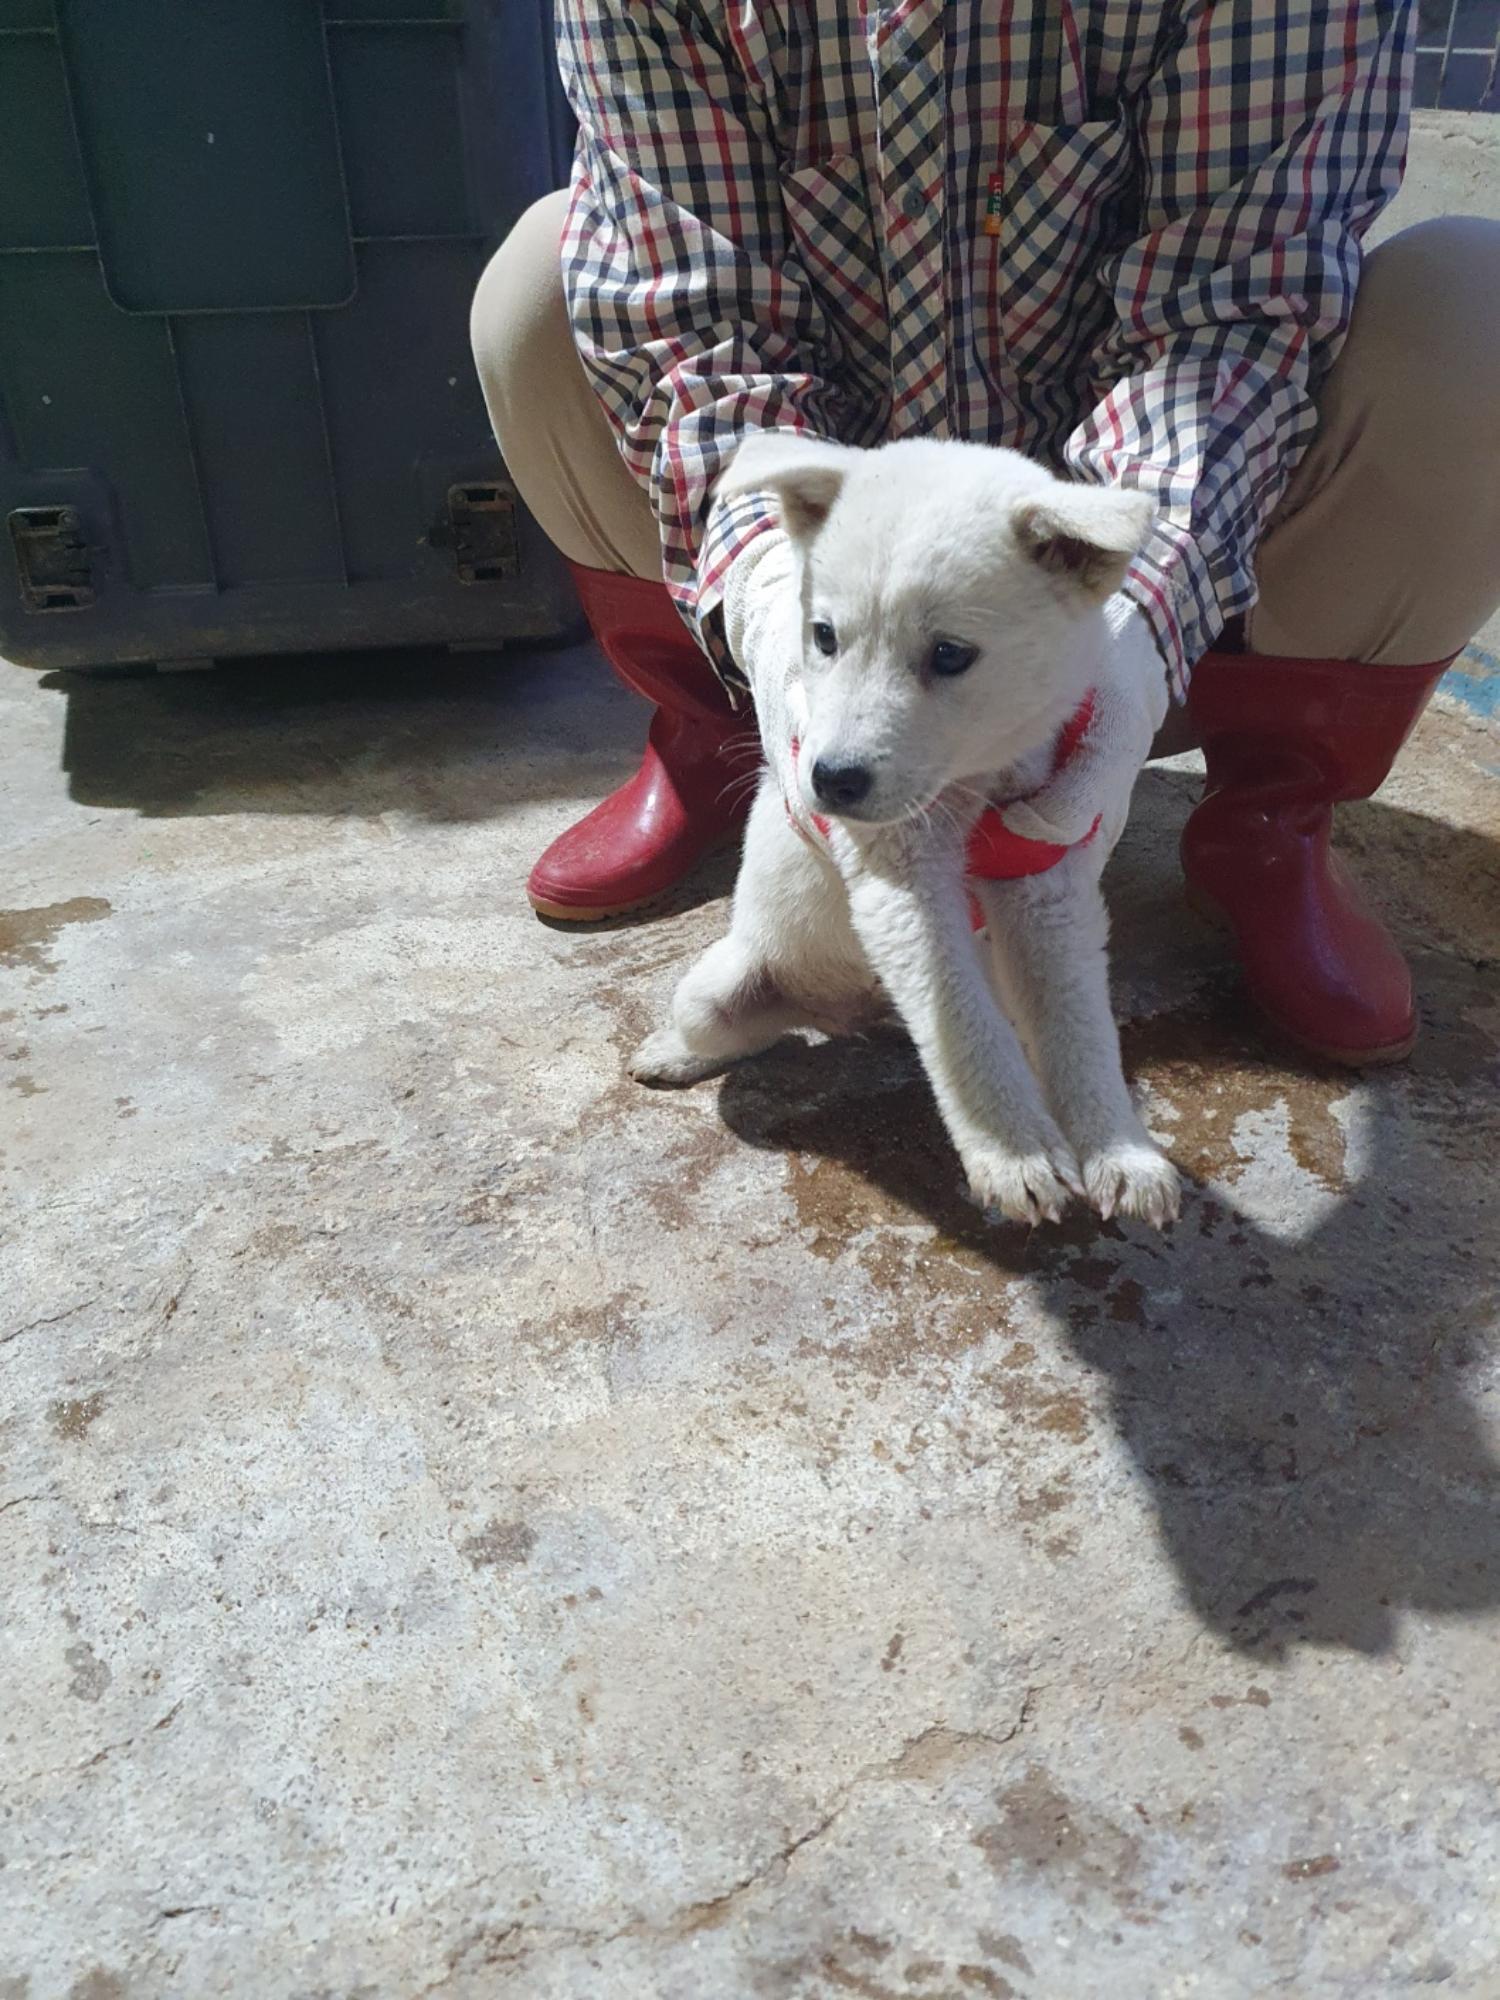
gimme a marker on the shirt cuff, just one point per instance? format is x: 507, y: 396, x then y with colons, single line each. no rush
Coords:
x: 1188, y: 588
x: 733, y: 525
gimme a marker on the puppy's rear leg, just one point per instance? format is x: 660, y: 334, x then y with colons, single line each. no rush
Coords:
x: 726, y: 1007
x: 789, y: 928
x: 1048, y: 935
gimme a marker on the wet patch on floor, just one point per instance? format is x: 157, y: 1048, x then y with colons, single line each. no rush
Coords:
x: 27, y: 936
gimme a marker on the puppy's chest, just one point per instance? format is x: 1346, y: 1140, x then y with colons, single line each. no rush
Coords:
x: 1018, y: 780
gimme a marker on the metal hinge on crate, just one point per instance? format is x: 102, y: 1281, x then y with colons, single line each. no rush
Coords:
x: 52, y: 558
x: 480, y: 528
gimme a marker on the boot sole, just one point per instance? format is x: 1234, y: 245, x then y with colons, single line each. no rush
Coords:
x: 576, y: 913
x: 1379, y: 1058
x: 570, y: 913
x: 1382, y: 1058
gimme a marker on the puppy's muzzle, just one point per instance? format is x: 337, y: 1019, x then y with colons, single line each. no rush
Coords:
x: 840, y: 786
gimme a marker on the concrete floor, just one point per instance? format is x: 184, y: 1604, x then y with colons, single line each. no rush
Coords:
x: 472, y: 1526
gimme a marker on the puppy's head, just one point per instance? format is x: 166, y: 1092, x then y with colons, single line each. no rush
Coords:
x: 951, y: 599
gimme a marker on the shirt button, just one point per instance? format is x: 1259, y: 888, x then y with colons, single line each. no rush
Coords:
x: 913, y: 203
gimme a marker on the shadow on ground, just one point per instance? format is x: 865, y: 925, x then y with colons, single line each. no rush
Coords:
x: 449, y: 738
x: 1288, y: 1368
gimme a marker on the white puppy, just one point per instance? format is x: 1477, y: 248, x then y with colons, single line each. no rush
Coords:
x: 933, y: 618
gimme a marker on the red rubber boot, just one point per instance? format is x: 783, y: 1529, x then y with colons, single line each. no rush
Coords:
x: 1284, y: 740
x: 694, y: 787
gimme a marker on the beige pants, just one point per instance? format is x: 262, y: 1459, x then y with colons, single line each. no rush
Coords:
x: 1386, y: 547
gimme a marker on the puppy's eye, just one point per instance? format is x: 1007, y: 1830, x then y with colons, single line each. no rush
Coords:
x: 824, y: 637
x: 950, y: 657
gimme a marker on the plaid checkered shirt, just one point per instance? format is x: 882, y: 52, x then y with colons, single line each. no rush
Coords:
x: 1121, y: 238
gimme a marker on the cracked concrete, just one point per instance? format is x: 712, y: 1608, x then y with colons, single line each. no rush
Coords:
x: 471, y: 1527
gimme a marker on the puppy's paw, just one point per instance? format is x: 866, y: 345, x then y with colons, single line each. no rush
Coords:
x: 664, y: 1059
x: 1132, y: 1178
x: 1027, y: 1187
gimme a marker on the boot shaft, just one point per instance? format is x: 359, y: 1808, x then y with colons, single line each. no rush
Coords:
x: 1319, y: 731
x: 641, y: 633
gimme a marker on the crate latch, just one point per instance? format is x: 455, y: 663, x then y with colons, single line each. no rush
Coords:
x: 52, y: 558
x: 481, y: 531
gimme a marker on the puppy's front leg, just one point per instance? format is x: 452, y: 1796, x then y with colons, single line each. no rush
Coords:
x: 1048, y: 934
x: 910, y: 912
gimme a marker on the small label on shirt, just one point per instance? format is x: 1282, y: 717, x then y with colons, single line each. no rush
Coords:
x: 992, y: 206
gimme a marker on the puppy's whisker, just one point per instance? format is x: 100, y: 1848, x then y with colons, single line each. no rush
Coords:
x: 969, y: 794
x: 741, y: 786
x: 958, y: 826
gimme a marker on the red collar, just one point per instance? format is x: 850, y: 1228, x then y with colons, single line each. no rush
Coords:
x: 995, y: 854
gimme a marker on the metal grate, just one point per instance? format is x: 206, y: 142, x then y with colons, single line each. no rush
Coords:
x: 52, y: 559
x: 481, y: 530
x: 1458, y: 55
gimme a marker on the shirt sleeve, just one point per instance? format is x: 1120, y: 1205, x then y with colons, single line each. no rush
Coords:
x: 1266, y: 139
x: 692, y: 318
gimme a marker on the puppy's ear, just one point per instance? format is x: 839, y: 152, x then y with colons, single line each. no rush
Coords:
x: 804, y: 473
x: 1085, y: 534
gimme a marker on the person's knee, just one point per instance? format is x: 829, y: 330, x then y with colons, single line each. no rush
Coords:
x: 518, y: 323
x: 553, y: 434
x: 1430, y: 299
x: 1387, y: 549
x: 1465, y: 248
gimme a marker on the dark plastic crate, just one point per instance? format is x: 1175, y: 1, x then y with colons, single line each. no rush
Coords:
x: 238, y: 240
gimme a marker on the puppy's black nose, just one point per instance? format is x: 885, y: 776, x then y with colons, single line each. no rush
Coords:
x: 840, y: 785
